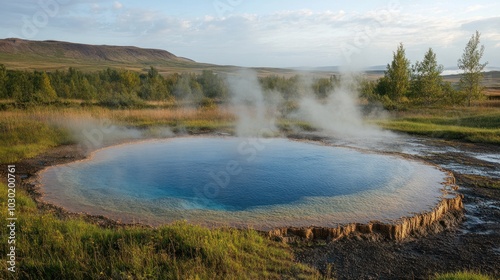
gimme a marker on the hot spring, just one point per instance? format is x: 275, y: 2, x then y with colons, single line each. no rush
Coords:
x: 260, y: 183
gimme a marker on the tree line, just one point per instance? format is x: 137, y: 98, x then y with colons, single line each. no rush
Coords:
x: 402, y: 84
x: 110, y: 87
x: 422, y: 83
x: 124, y: 88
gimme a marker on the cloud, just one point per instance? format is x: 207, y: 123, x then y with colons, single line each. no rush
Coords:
x: 474, y: 8
x: 117, y: 5
x: 295, y: 38
x: 282, y: 38
x: 483, y: 25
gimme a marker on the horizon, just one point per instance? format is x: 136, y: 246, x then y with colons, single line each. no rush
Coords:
x: 261, y: 34
x: 447, y: 70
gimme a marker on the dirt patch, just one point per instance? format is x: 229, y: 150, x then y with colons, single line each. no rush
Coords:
x: 59, y: 155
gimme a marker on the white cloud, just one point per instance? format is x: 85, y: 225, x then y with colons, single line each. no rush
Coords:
x: 117, y: 5
x: 474, y: 8
x: 285, y: 38
x: 292, y: 38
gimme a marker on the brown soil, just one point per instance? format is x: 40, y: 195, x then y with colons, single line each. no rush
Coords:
x: 472, y: 245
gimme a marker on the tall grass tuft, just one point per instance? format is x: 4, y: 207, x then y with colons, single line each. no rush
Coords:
x: 23, y: 136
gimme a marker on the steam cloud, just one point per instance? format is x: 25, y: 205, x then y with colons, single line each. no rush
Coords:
x: 339, y: 115
x: 91, y: 134
x: 256, y: 113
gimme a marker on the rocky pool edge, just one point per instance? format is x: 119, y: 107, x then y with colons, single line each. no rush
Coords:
x: 446, y: 214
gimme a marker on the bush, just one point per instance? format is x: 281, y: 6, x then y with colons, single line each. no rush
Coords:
x: 122, y: 101
x: 207, y: 103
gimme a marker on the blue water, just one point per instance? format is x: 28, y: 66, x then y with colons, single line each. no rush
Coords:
x: 223, y: 174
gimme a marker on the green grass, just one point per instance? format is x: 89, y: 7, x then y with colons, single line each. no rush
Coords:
x: 473, y: 119
x: 462, y: 276
x: 31, y: 61
x: 49, y: 62
x: 467, y: 124
x: 24, y: 138
x: 27, y: 133
x: 479, y: 181
x: 49, y: 247
x: 288, y: 125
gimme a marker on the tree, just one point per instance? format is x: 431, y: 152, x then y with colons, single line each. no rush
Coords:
x: 153, y: 72
x: 87, y: 91
x: 153, y: 86
x: 470, y: 80
x: 44, y: 92
x: 33, y: 88
x: 323, y: 86
x: 213, y: 85
x: 3, y: 81
x: 19, y: 86
x: 426, y: 80
x: 129, y: 81
x: 367, y: 89
x: 187, y: 88
x: 397, y: 75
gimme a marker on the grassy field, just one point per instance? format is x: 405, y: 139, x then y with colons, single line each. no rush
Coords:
x: 26, y: 133
x: 475, y: 124
x: 32, y: 62
x: 23, y: 136
x: 48, y: 247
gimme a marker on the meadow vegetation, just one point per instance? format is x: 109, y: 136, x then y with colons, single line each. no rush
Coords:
x: 476, y: 124
x: 22, y: 136
x: 51, y: 247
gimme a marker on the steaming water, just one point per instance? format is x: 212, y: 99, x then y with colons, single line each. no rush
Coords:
x: 242, y: 181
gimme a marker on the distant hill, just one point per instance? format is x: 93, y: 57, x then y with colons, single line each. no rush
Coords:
x: 57, y: 49
x: 51, y: 55
x: 46, y: 55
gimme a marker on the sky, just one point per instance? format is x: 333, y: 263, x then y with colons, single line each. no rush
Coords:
x: 262, y: 33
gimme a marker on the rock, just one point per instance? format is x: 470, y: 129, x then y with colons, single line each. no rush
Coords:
x: 447, y: 213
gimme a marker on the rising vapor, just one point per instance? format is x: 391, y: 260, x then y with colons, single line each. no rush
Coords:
x: 256, y: 114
